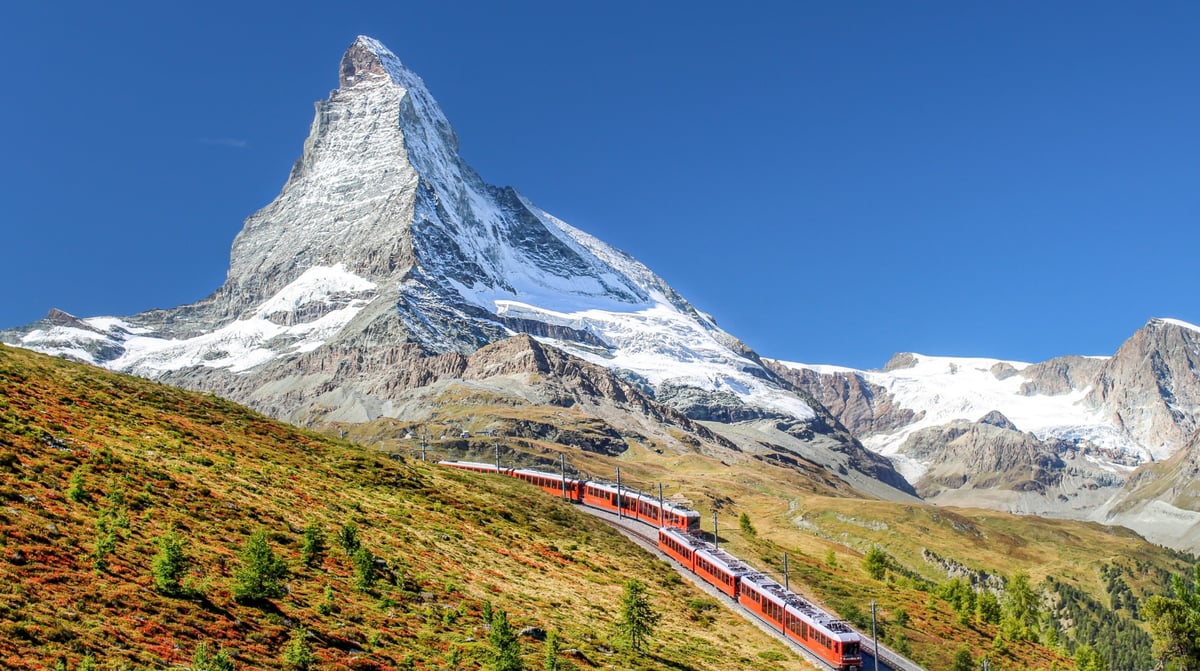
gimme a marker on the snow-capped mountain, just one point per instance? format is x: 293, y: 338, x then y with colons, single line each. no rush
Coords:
x: 1060, y: 437
x: 383, y: 236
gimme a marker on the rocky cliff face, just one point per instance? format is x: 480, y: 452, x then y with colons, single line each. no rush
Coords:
x: 1151, y: 387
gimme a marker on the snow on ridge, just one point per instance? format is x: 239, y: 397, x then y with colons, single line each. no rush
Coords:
x: 819, y: 368
x: 1180, y: 323
x: 315, y: 284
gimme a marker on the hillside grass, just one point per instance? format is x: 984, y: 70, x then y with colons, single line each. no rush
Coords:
x: 87, y: 455
x: 813, y: 521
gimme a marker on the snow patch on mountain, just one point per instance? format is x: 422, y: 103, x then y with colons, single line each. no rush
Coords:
x: 966, y: 388
x: 1180, y: 323
x: 317, y: 284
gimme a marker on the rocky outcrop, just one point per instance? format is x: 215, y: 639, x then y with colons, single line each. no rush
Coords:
x: 863, y: 408
x: 1061, y: 375
x: 987, y: 456
x: 1151, y: 386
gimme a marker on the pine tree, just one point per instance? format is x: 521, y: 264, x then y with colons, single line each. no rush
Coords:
x: 552, y: 650
x: 312, y: 548
x: 297, y: 654
x: 506, y: 652
x: 638, y: 619
x: 963, y: 660
x: 1175, y: 624
x: 260, y: 574
x: 169, y: 564
x: 205, y: 660
x: 364, y: 569
x: 747, y: 527
x: 876, y: 562
x: 348, y: 538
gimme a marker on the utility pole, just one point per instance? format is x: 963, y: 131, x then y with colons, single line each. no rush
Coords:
x: 423, y: 434
x: 662, y: 509
x: 497, y: 458
x: 985, y: 664
x: 874, y: 636
x: 716, y: 538
x: 785, y: 572
x: 562, y: 467
x: 618, y: 492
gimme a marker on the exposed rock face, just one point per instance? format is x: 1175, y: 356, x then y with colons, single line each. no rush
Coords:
x: 997, y: 419
x: 984, y: 456
x: 1060, y: 375
x: 863, y: 408
x: 1151, y: 387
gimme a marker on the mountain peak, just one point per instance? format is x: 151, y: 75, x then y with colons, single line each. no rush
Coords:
x: 367, y: 59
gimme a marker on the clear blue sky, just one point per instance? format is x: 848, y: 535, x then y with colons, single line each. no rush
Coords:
x: 833, y: 181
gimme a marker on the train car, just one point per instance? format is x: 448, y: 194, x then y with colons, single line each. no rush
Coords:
x: 716, y: 567
x: 830, y: 639
x: 666, y: 514
x: 679, y: 546
x: 640, y: 506
x: 476, y: 466
x: 721, y: 569
x: 551, y: 483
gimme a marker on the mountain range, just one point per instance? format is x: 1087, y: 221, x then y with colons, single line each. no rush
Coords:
x: 386, y: 270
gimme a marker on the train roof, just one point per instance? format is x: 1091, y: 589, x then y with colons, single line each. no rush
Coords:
x: 635, y: 494
x: 552, y: 476
x: 731, y: 564
x: 800, y: 607
x: 468, y: 464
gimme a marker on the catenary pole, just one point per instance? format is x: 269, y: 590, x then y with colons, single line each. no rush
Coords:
x: 874, y: 636
x: 619, y: 492
x: 562, y: 467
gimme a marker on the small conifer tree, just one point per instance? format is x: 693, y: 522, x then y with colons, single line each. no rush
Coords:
x: 365, y: 575
x: 206, y: 660
x: 261, y: 573
x: 348, y: 538
x: 747, y: 527
x: 637, y: 619
x: 876, y: 562
x: 551, y: 651
x: 505, y: 652
x: 297, y: 653
x: 312, y: 549
x: 169, y: 565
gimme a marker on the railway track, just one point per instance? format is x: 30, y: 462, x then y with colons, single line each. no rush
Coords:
x: 646, y: 537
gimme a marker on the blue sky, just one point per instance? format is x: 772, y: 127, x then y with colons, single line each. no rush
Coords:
x: 834, y: 182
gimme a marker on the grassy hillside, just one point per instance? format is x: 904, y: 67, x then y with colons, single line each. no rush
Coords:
x: 1089, y: 578
x: 96, y: 469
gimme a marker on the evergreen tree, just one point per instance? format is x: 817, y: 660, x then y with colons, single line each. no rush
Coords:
x: 348, y: 538
x: 205, y: 660
x: 552, y: 650
x: 1175, y: 624
x: 876, y: 562
x: 987, y: 608
x: 637, y: 619
x: 962, y: 659
x: 312, y: 548
x: 1021, y: 607
x: 364, y: 569
x: 506, y: 652
x: 747, y: 527
x: 297, y: 654
x: 260, y: 574
x: 169, y: 565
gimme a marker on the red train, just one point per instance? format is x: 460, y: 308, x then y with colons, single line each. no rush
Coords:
x: 634, y: 504
x: 825, y: 636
